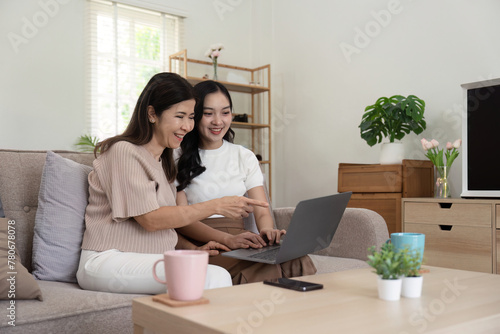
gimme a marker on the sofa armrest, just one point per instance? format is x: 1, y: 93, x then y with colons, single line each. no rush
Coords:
x: 358, y: 230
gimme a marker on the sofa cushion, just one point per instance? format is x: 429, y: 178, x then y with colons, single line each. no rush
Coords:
x: 25, y: 286
x: 20, y: 174
x: 69, y: 309
x: 59, y: 222
x: 331, y: 264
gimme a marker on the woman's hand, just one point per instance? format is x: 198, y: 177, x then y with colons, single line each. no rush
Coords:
x: 244, y: 240
x: 272, y: 235
x: 236, y: 207
x: 213, y: 248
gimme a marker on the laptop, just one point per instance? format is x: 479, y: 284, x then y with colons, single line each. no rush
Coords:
x: 311, y: 229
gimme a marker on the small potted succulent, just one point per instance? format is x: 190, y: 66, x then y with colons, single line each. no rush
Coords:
x: 393, y: 118
x: 412, y: 280
x: 388, y: 265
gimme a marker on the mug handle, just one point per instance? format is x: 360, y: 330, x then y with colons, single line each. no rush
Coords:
x: 154, y: 272
x: 388, y: 240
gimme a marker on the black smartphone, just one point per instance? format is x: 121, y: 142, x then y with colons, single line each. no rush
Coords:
x: 294, y: 284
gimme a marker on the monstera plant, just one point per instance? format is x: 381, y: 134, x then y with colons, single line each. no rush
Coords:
x: 393, y: 118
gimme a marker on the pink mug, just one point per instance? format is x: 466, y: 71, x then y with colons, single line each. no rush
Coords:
x: 185, y: 273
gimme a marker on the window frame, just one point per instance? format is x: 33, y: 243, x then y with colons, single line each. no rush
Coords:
x: 108, y: 106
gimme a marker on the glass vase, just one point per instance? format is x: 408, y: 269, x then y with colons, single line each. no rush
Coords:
x: 215, y: 69
x: 441, y: 186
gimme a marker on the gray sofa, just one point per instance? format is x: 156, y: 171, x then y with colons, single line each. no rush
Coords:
x: 66, y: 308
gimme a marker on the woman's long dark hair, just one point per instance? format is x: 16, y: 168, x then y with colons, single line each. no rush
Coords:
x: 162, y: 91
x: 189, y: 165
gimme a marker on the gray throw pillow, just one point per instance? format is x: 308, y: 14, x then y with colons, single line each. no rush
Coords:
x: 60, y: 219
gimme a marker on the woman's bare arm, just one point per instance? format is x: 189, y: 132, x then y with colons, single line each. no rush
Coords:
x: 263, y: 217
x: 212, y: 247
x: 178, y: 216
x: 201, y: 232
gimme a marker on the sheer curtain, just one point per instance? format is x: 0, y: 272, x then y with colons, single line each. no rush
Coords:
x: 125, y: 46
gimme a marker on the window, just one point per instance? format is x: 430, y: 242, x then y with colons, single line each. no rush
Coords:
x: 126, y: 46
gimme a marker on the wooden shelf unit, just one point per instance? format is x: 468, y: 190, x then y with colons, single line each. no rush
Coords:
x: 381, y: 187
x: 459, y: 233
x: 260, y: 116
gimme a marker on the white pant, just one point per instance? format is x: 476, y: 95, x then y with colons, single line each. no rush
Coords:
x: 125, y: 272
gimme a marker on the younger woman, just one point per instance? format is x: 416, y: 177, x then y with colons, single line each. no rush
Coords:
x: 211, y: 166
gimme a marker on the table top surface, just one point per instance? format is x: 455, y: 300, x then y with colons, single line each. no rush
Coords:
x: 452, y: 301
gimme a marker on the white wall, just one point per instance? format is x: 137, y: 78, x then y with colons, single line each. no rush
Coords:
x: 42, y: 74
x: 42, y: 82
x: 427, y: 48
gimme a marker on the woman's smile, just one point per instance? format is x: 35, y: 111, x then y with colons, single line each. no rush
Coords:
x: 216, y: 131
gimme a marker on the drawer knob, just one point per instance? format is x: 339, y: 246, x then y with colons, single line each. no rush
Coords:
x: 445, y: 205
x: 445, y: 227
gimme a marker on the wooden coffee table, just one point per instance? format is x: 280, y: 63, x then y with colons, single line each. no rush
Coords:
x: 453, y: 301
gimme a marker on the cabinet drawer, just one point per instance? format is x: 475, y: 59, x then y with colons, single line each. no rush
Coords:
x: 370, y: 178
x: 497, y: 215
x: 447, y: 213
x: 462, y: 247
x: 387, y: 205
x: 498, y: 251
x: 411, y: 178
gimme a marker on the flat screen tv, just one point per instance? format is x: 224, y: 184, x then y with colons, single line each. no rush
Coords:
x: 481, y: 139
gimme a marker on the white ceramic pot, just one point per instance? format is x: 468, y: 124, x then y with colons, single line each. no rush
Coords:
x: 392, y: 153
x: 412, y: 287
x: 389, y: 289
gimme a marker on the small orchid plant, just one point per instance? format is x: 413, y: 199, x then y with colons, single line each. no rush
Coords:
x: 436, y: 155
x: 214, y: 52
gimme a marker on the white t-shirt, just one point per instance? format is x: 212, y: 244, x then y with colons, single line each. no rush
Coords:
x: 231, y: 170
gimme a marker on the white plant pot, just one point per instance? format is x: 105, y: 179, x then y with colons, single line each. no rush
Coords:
x: 412, y: 287
x: 389, y: 289
x: 391, y: 153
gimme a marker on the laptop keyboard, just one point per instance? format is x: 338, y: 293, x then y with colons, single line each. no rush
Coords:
x: 266, y: 255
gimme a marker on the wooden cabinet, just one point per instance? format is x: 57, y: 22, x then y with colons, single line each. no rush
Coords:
x: 388, y: 205
x: 252, y: 82
x: 381, y: 187
x: 459, y: 233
